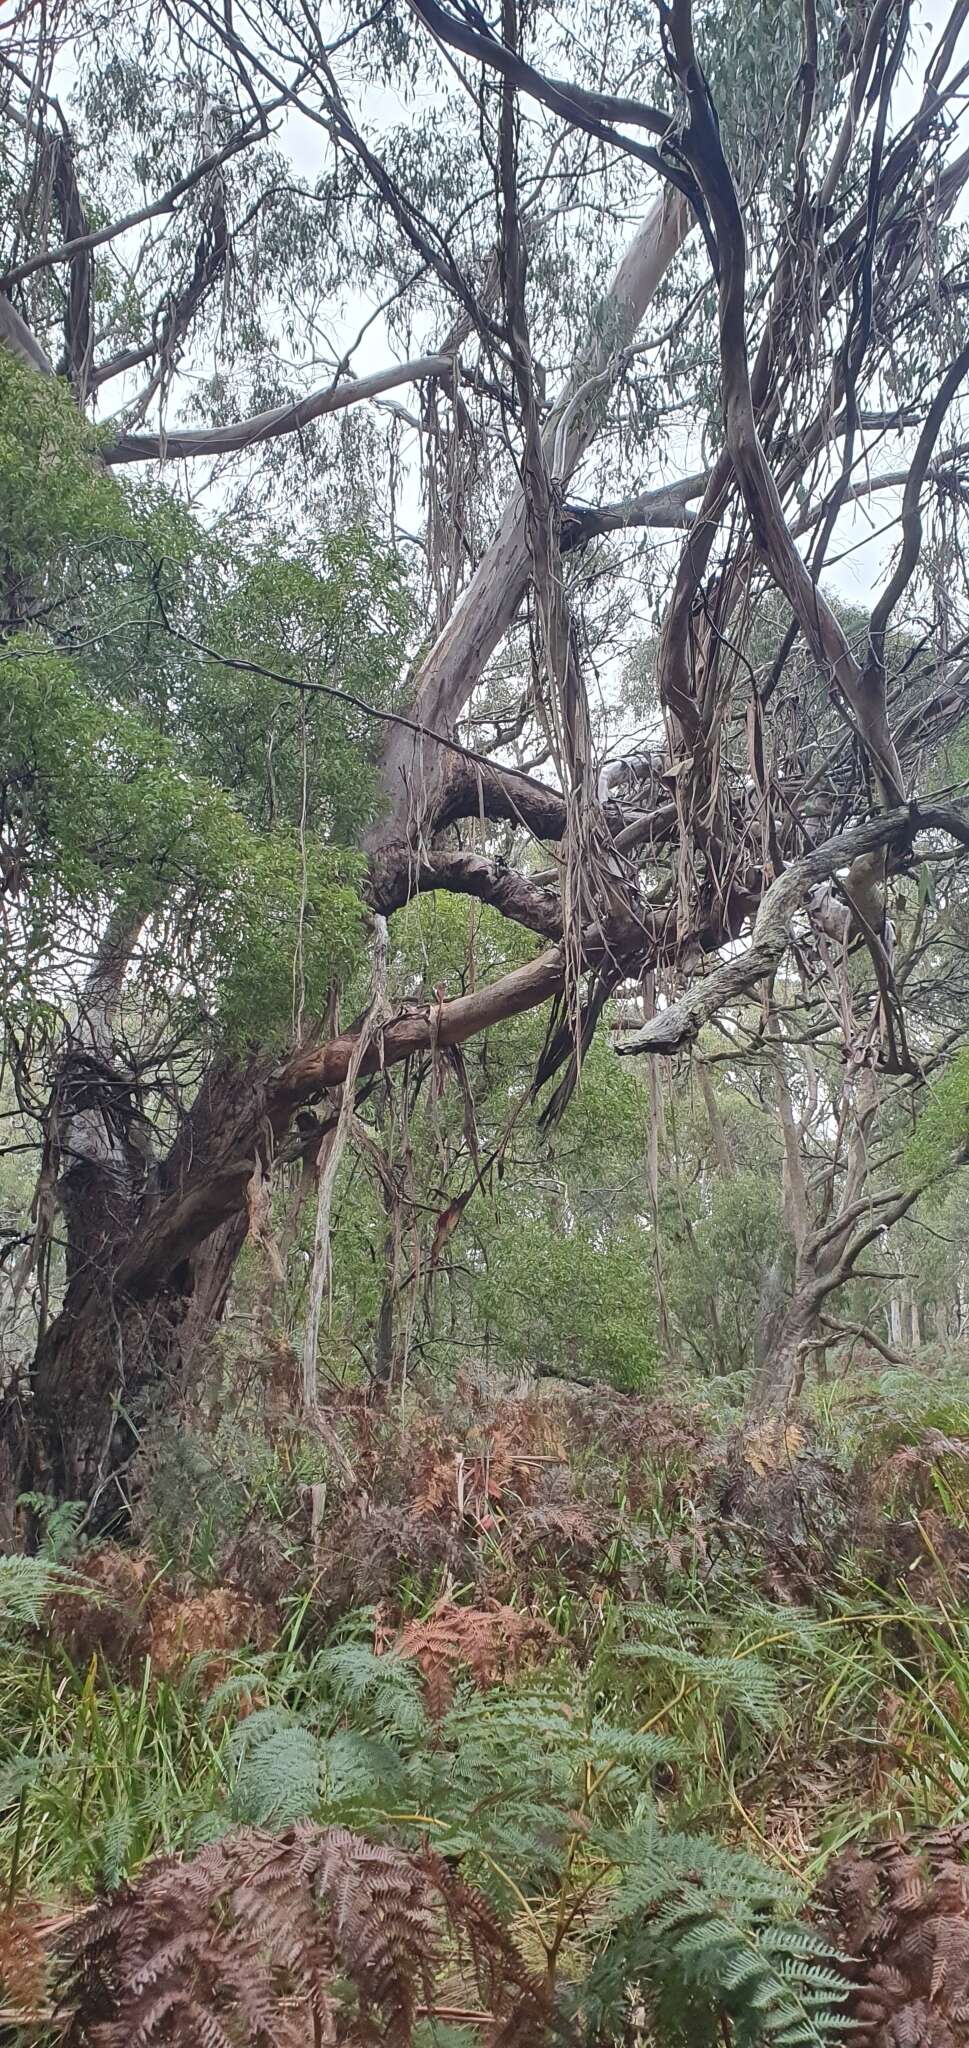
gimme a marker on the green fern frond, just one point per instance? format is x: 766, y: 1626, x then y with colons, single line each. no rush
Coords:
x: 235, y: 1689
x: 26, y: 1582
x: 60, y: 1522
x: 712, y: 1930
x: 279, y: 1772
x: 660, y: 1621
x: 745, y: 1683
x: 745, y: 1620
x: 20, y: 1774
x: 385, y: 1692
x: 361, y: 1777
x: 114, y: 1850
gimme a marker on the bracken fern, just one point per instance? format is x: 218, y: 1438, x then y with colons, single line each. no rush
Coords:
x: 715, y: 1936
x: 265, y: 1941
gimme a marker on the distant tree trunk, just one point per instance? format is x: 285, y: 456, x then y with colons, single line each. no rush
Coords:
x: 384, y: 1350
x: 824, y: 1251
x: 914, y: 1320
x: 785, y: 1323
x: 656, y: 1132
x: 782, y: 1364
x: 721, y: 1147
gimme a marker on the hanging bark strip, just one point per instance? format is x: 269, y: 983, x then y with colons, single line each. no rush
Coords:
x: 328, y: 1165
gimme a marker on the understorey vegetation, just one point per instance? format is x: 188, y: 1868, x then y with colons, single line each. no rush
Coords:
x: 484, y: 1099
x: 571, y: 1715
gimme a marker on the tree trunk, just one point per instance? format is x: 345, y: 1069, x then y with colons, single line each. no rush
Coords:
x: 112, y: 1352
x: 385, y: 1354
x: 106, y: 1363
x: 414, y: 770
x: 782, y: 1364
x: 147, y: 1281
x: 915, y: 1325
x: 151, y: 1248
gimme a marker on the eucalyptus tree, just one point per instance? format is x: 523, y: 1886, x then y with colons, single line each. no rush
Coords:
x: 660, y: 299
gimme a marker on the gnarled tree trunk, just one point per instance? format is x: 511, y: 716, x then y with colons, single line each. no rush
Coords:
x: 114, y: 1350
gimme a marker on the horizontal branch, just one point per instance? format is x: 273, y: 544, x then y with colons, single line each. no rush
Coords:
x: 216, y: 1189
x: 940, y: 473
x: 518, y: 897
x: 184, y: 445
x: 665, y: 505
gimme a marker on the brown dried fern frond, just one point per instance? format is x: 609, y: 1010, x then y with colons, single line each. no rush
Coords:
x: 270, y: 1941
x: 23, y: 1955
x: 122, y: 1611
x: 215, y: 1623
x: 491, y: 1643
x: 486, y: 1468
x: 900, y: 1910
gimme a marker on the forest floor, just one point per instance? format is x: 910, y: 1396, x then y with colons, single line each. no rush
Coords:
x: 598, y: 1653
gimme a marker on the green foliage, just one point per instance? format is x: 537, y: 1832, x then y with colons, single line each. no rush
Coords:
x: 529, y: 1792
x: 742, y: 1683
x: 168, y: 761
x: 715, y: 1268
x: 108, y: 818
x: 279, y: 1771
x: 599, y: 1804
x: 563, y: 1298
x: 53, y: 491
x: 59, y: 1524
x: 335, y: 613
x: 146, y: 779
x: 25, y: 1584
x: 712, y: 1932
x: 943, y: 1125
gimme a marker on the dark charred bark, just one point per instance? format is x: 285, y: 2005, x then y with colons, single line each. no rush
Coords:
x: 153, y: 1246
x: 113, y: 1353
x: 106, y: 1364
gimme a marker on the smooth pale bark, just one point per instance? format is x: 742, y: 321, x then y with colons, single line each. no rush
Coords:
x: 183, y: 445
x: 822, y: 1255
x: 721, y: 1147
x: 489, y: 606
x: 681, y: 1021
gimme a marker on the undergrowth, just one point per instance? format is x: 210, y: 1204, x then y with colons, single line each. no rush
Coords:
x: 634, y: 1685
